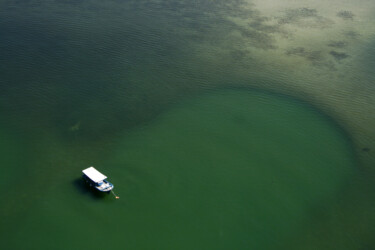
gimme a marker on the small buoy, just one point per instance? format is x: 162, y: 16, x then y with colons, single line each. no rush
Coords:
x: 117, y: 197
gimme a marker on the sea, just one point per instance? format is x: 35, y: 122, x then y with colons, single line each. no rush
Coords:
x: 227, y: 124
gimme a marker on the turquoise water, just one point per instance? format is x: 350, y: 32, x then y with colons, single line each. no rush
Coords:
x: 215, y: 132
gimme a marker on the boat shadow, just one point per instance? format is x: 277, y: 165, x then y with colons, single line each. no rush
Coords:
x: 85, y: 189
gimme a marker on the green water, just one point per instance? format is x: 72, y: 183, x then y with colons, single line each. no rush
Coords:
x: 232, y: 169
x: 228, y: 124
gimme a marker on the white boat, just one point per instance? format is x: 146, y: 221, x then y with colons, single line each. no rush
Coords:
x: 97, y: 180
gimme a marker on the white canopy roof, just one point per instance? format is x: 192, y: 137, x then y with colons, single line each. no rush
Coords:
x: 94, y: 174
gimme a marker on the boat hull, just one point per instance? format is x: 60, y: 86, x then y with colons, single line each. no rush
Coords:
x: 104, y: 187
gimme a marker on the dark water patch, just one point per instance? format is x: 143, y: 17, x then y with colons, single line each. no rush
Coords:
x: 366, y: 149
x: 313, y: 56
x: 337, y: 44
x: 316, y: 57
x: 258, y: 39
x: 352, y: 34
x: 338, y: 55
x: 296, y: 14
x: 305, y: 17
x: 346, y: 15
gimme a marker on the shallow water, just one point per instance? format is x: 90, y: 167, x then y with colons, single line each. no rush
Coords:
x: 223, y: 125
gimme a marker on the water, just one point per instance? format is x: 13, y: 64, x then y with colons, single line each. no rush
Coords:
x: 229, y: 169
x: 220, y: 124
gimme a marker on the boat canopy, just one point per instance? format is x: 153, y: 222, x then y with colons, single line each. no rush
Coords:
x: 94, y: 174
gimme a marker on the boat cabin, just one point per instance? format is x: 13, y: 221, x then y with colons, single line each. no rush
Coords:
x: 97, y: 180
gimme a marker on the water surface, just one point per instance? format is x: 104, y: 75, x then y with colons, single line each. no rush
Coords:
x: 160, y: 96
x: 228, y: 169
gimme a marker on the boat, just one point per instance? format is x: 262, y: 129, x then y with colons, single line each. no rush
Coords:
x: 97, y: 180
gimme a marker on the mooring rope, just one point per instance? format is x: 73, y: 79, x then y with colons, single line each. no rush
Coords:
x: 115, y: 195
